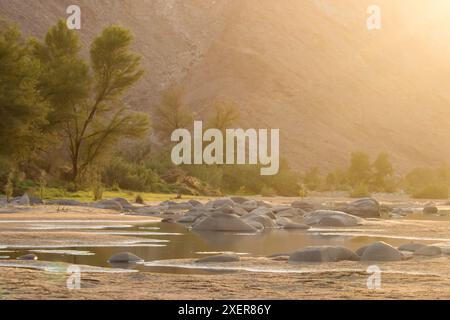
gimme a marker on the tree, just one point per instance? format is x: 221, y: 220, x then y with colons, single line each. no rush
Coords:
x: 171, y: 114
x: 312, y: 179
x: 87, y: 107
x: 225, y: 114
x: 22, y: 113
x: 360, y: 169
x: 383, y: 169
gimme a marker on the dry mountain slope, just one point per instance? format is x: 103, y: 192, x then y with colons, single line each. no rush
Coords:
x: 308, y: 67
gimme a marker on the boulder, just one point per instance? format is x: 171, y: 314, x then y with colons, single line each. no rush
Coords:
x: 195, y: 203
x: 239, y: 200
x: 264, y: 204
x: 429, y: 251
x: 22, y: 201
x: 302, y: 205
x: 282, y: 221
x: 329, y: 218
x: 255, y: 224
x: 28, y: 257
x: 223, y: 222
x: 364, y: 208
x: 412, y: 247
x: 124, y: 257
x: 381, y: 251
x: 361, y: 250
x: 35, y: 201
x: 220, y: 203
x: 291, y: 213
x: 180, y: 206
x: 323, y: 254
x: 430, y: 210
x: 278, y: 209
x: 264, y: 220
x: 262, y: 211
x: 238, y: 210
x: 225, y: 257
x: 249, y: 205
x: 107, y: 205
x: 126, y: 205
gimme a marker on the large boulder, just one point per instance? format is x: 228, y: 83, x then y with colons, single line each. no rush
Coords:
x: 287, y: 223
x: 195, y: 203
x: 329, y: 218
x: 124, y: 257
x: 364, y: 208
x: 306, y: 206
x: 239, y: 200
x: 323, y: 254
x: 381, y: 251
x: 180, y: 206
x: 225, y: 257
x: 249, y: 205
x: 22, y: 201
x: 149, y: 210
x: 126, y: 205
x: 107, y: 205
x: 262, y: 211
x: 291, y: 213
x: 223, y: 222
x: 220, y: 203
x: 264, y: 220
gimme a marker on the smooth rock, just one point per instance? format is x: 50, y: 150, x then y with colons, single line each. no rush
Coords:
x: 302, y: 205
x: 126, y: 205
x: 264, y: 220
x: 239, y: 200
x: 364, y: 208
x: 381, y: 251
x: 107, y: 205
x: 331, y: 218
x: 223, y: 222
x: 249, y: 205
x: 323, y: 254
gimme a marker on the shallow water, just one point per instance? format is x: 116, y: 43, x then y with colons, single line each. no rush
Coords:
x: 172, y: 241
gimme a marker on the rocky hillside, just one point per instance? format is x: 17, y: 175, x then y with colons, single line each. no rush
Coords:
x: 308, y: 67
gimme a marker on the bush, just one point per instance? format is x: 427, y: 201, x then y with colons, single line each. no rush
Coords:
x: 432, y: 192
x: 360, y: 191
x: 139, y: 200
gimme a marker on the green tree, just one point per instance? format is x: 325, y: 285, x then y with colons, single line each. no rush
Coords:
x: 171, y: 114
x: 22, y: 112
x: 383, y: 169
x: 312, y: 179
x: 360, y: 169
x: 86, y: 99
x: 225, y: 114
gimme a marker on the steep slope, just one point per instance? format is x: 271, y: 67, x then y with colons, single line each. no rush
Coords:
x: 308, y: 67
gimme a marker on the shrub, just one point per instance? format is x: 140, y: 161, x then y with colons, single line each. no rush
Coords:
x: 139, y: 199
x: 360, y: 191
x: 432, y: 192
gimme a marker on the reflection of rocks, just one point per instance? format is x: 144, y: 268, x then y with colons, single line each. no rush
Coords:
x: 429, y: 251
x: 329, y: 218
x: 124, y: 257
x: 381, y: 251
x: 323, y: 254
x: 412, y: 247
x: 365, y: 208
x: 226, y: 257
x: 28, y: 257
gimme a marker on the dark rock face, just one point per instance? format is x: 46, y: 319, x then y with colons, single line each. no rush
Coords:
x: 364, y: 208
x: 323, y: 254
x: 226, y: 257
